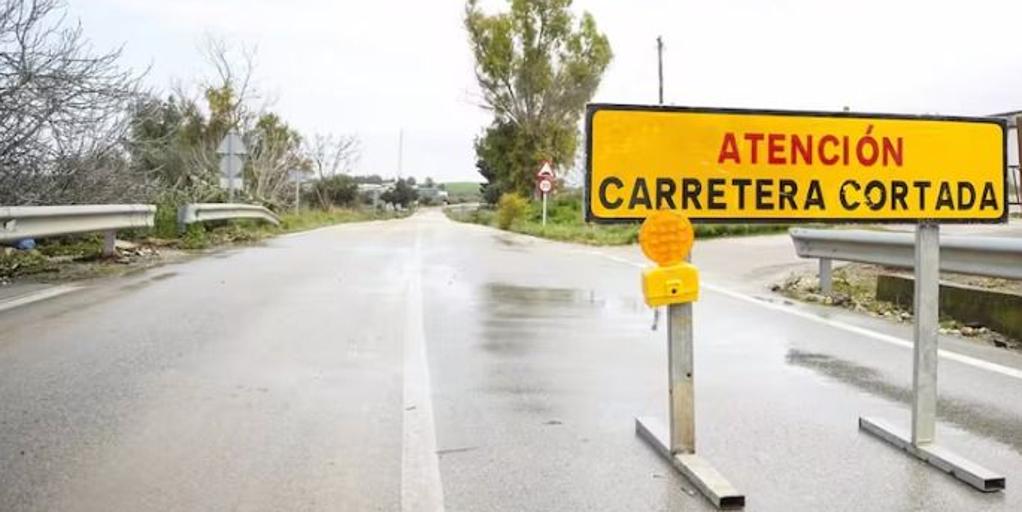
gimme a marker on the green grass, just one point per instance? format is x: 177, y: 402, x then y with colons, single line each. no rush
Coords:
x: 201, y: 236
x: 24, y: 263
x: 591, y: 234
x: 463, y: 191
x: 564, y: 222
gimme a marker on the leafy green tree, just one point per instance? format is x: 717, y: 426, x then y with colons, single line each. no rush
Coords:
x: 403, y: 193
x: 173, y: 143
x: 498, y: 152
x: 163, y: 134
x: 275, y: 150
x: 537, y: 66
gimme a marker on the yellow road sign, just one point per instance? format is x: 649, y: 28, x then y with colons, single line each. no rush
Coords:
x: 742, y: 165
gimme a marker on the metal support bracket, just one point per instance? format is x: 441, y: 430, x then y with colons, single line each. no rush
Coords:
x: 697, y: 470
x: 961, y: 468
x: 919, y: 440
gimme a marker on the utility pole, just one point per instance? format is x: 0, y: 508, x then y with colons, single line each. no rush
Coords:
x: 400, y: 150
x: 660, y: 65
x: 660, y: 81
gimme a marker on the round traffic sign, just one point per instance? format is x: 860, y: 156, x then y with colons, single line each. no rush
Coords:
x: 545, y: 186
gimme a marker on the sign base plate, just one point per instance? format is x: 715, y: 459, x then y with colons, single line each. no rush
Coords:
x: 969, y: 472
x: 697, y: 470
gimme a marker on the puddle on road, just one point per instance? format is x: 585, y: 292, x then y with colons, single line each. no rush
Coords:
x: 979, y: 419
x: 525, y: 331
x: 515, y: 317
x: 551, y: 301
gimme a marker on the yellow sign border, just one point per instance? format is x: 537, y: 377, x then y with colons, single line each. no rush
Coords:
x: 593, y: 108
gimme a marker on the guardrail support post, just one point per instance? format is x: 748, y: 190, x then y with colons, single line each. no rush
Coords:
x: 826, y: 276
x: 919, y: 441
x: 109, y: 240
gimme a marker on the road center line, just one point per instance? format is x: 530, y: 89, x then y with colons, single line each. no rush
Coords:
x: 421, y: 488
x: 862, y: 331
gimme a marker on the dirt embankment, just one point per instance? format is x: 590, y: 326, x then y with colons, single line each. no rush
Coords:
x: 855, y: 288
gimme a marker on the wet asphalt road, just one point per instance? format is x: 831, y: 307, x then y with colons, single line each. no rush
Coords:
x: 346, y: 368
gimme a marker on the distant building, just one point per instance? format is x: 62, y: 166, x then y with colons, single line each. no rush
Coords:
x: 432, y: 195
x: 372, y: 191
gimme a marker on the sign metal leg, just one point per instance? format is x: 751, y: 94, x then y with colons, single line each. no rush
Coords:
x: 925, y: 308
x: 682, y: 403
x: 677, y: 441
x: 544, y: 208
x: 919, y: 441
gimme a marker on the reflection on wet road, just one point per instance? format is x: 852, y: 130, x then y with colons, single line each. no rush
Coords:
x: 995, y: 423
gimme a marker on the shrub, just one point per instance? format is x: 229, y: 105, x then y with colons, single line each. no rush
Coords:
x: 165, y: 221
x: 512, y: 208
x: 336, y: 191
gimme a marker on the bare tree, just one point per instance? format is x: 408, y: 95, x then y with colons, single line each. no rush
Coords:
x: 63, y: 111
x: 234, y: 67
x: 234, y: 104
x: 227, y: 97
x: 330, y: 155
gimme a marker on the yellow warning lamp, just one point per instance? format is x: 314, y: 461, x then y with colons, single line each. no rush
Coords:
x: 666, y: 238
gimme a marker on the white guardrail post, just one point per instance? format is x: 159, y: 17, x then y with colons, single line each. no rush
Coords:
x: 826, y: 276
x: 204, y: 212
x: 21, y: 222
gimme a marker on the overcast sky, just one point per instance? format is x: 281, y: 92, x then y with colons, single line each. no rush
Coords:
x: 374, y: 67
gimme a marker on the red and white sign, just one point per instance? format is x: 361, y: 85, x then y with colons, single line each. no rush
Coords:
x: 546, y: 170
x: 545, y: 177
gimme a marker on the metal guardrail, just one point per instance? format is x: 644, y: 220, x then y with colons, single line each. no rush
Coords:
x: 204, y: 212
x: 982, y: 256
x: 21, y: 222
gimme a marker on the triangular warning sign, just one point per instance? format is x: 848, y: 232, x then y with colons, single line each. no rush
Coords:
x: 546, y: 170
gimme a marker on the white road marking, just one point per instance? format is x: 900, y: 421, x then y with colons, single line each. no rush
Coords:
x: 47, y: 293
x: 421, y: 488
x: 862, y: 331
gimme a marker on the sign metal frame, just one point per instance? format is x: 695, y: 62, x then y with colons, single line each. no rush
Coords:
x: 593, y: 108
x: 678, y: 443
